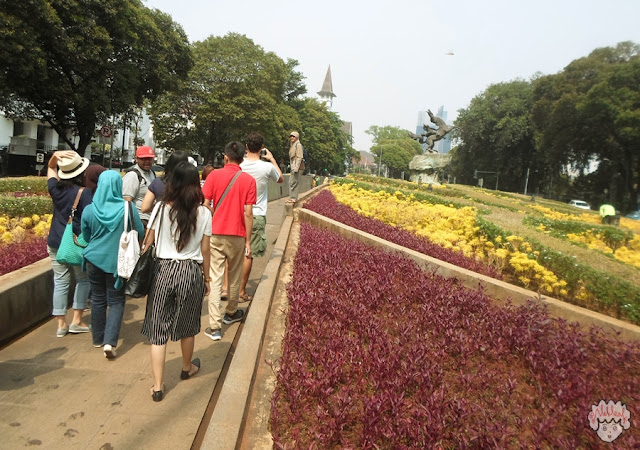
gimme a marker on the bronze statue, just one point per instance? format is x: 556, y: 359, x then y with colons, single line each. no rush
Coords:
x: 431, y: 135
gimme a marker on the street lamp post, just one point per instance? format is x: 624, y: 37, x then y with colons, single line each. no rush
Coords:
x: 526, y: 182
x: 380, y: 165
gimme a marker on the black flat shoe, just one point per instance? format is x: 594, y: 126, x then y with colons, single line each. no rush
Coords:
x: 186, y: 374
x: 157, y: 395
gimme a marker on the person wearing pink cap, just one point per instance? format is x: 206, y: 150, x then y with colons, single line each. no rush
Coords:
x: 136, y: 181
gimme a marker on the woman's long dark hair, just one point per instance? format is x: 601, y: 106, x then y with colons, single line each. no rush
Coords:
x: 172, y: 162
x: 184, y: 194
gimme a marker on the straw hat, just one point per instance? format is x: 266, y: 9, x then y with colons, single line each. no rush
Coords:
x: 69, y: 168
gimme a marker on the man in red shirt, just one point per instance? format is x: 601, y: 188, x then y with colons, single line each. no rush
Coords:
x: 230, y: 233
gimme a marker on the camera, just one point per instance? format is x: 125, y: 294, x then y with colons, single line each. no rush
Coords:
x: 263, y: 152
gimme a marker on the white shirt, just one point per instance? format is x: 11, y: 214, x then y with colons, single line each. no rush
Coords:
x: 261, y: 171
x: 167, y: 238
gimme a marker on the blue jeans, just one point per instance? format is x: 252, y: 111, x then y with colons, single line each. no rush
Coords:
x: 61, y: 282
x: 105, y: 327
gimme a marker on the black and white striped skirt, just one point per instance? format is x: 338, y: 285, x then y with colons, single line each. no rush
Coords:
x: 174, y: 303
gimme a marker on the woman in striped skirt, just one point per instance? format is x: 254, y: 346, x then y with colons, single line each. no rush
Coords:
x: 181, y: 231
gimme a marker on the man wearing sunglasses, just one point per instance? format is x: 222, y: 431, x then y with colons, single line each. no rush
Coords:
x: 296, y: 159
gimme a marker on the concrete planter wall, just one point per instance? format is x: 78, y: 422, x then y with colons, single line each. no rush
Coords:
x: 25, y: 298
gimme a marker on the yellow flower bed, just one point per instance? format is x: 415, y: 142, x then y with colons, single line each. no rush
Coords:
x: 455, y: 229
x: 14, y: 229
x: 556, y: 215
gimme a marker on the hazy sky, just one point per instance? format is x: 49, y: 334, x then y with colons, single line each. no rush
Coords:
x: 389, y: 58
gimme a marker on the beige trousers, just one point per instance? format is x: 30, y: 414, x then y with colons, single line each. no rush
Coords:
x: 231, y: 249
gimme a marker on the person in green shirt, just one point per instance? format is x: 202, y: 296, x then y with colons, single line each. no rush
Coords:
x: 607, y: 212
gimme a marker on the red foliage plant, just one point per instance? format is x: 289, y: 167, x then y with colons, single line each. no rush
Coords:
x: 326, y: 204
x: 15, y: 256
x: 380, y: 354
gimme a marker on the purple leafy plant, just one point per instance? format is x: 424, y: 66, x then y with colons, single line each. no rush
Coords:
x: 380, y: 354
x: 18, y: 255
x: 326, y: 204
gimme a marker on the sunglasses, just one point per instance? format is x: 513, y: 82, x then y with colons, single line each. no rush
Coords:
x: 291, y: 135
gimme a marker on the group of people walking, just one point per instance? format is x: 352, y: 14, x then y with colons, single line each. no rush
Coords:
x: 198, y: 230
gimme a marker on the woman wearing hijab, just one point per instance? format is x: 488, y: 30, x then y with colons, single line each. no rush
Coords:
x: 102, y: 226
x: 182, y: 233
x: 91, y: 176
x: 65, y: 178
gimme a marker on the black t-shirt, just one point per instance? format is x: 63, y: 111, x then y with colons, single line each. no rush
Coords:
x: 63, y: 199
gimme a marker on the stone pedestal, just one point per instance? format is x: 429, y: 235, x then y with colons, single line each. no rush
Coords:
x: 428, y: 168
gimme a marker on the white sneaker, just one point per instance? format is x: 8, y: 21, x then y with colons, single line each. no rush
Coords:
x: 109, y: 351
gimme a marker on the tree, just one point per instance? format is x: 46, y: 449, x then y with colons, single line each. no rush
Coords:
x: 329, y: 147
x: 395, y: 146
x: 590, y: 113
x: 77, y: 63
x: 234, y: 87
x: 497, y: 136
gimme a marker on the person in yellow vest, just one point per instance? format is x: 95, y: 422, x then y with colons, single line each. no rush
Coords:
x: 607, y: 212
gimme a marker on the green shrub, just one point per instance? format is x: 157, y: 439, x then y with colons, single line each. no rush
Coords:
x: 32, y: 185
x: 25, y: 206
x: 612, y: 236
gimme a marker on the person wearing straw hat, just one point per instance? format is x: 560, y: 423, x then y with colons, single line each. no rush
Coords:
x: 65, y: 173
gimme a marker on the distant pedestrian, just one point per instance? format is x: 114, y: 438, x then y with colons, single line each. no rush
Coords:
x: 65, y: 174
x: 231, y: 233
x: 102, y: 226
x: 206, y: 170
x: 261, y: 165
x: 296, y: 159
x: 181, y: 228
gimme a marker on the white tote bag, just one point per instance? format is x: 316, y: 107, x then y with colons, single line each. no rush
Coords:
x: 129, y: 248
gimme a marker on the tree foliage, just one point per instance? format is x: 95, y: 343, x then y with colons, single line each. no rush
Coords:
x: 395, y: 146
x: 234, y: 87
x: 559, y: 127
x: 329, y: 147
x: 77, y: 63
x: 590, y: 114
x: 497, y: 135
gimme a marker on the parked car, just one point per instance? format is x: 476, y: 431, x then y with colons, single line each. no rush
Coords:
x: 580, y: 204
x: 633, y: 215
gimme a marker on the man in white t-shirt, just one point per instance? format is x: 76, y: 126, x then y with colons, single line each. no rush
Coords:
x: 261, y: 165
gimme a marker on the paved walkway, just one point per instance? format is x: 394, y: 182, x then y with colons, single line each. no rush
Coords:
x: 63, y: 393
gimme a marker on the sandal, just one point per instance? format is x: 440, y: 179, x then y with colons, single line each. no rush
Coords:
x: 157, y: 396
x: 244, y: 298
x: 186, y: 374
x: 224, y: 295
x: 290, y: 201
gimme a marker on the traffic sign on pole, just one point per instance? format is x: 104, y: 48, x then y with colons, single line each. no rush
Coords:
x: 105, y: 131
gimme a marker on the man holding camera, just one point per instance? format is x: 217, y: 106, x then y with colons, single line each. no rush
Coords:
x: 261, y: 165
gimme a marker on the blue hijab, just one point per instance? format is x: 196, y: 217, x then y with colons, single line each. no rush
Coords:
x: 108, y: 203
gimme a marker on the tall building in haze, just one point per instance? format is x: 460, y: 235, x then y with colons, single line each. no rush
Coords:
x: 444, y: 144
